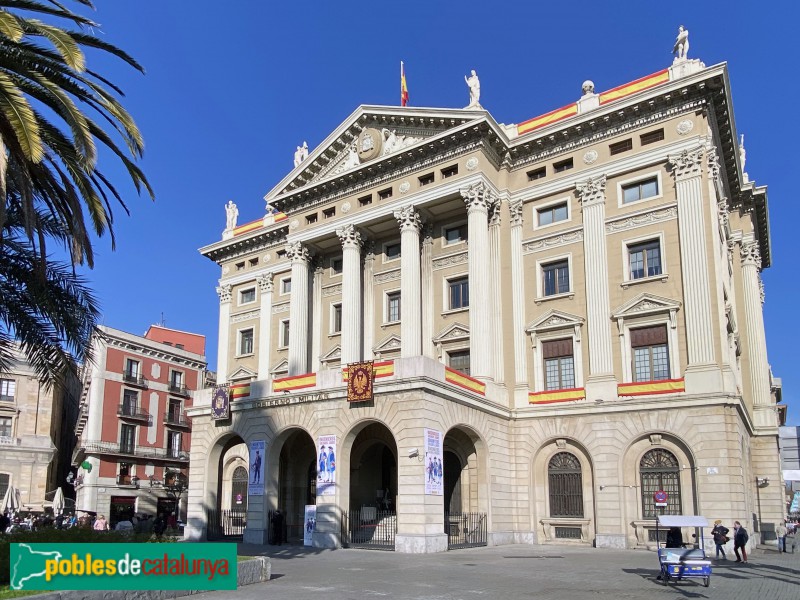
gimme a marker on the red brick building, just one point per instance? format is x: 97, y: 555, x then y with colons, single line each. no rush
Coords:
x: 132, y: 454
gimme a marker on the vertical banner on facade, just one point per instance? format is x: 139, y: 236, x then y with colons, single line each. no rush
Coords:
x: 256, y: 487
x: 795, y: 504
x: 434, y: 467
x: 310, y: 523
x: 326, y: 465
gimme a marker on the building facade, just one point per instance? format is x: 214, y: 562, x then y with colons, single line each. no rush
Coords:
x: 571, y: 305
x: 36, y: 437
x: 132, y: 453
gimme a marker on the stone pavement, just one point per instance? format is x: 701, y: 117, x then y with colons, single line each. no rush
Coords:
x: 542, y: 572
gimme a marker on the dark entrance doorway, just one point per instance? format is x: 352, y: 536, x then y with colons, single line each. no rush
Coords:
x: 297, y: 485
x: 465, y: 518
x: 225, y: 520
x: 239, y: 489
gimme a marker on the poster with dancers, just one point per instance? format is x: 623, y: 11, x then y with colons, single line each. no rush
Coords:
x: 434, y: 467
x: 310, y: 524
x: 257, y: 458
x: 326, y: 465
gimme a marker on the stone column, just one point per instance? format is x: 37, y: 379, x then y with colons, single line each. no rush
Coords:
x: 298, y: 309
x: 316, y: 315
x: 495, y: 298
x: 369, y: 299
x: 687, y: 169
x: 224, y: 292
x: 479, y: 198
x: 351, y: 293
x: 264, y: 325
x: 428, y: 348
x: 600, y: 384
x: 410, y: 292
x: 518, y: 302
x: 756, y: 347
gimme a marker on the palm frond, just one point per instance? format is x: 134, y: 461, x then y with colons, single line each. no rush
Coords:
x: 17, y: 111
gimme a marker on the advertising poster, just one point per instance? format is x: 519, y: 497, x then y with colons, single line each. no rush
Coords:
x: 310, y: 523
x: 256, y: 487
x: 326, y: 465
x: 434, y: 467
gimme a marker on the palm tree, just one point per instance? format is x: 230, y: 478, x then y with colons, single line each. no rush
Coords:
x: 50, y: 106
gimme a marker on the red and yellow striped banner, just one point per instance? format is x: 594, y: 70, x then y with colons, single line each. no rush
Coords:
x: 553, y: 396
x: 645, y: 388
x: 240, y: 390
x: 279, y: 217
x: 247, y: 227
x: 379, y: 369
x: 295, y: 382
x: 546, y: 119
x: 464, y: 381
x: 634, y: 86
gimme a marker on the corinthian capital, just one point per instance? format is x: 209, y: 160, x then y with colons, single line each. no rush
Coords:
x: 750, y: 255
x: 515, y: 211
x: 687, y: 164
x: 264, y: 283
x: 224, y: 293
x: 478, y: 197
x: 592, y: 191
x: 408, y: 219
x: 350, y: 236
x: 297, y: 252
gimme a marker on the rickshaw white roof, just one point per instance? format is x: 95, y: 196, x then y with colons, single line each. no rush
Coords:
x: 682, y: 521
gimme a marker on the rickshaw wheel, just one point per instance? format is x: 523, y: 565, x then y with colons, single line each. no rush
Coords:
x: 706, y: 581
x: 664, y: 578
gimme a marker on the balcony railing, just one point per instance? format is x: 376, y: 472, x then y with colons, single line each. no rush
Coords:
x: 168, y: 454
x: 128, y: 480
x: 176, y: 387
x: 177, y: 419
x: 134, y: 379
x: 7, y: 440
x: 134, y: 412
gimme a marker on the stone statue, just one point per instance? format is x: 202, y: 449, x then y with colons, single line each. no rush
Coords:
x: 588, y: 87
x: 681, y: 47
x: 301, y: 154
x: 232, y: 213
x: 742, y: 153
x: 474, y: 90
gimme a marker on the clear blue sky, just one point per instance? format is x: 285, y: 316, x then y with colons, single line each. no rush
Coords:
x: 231, y: 88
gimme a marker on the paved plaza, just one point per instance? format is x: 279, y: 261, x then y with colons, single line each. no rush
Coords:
x: 550, y: 572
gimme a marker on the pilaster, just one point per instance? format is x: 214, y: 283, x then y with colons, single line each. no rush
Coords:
x: 316, y: 315
x: 298, y: 254
x: 518, y: 302
x: 265, y: 287
x: 410, y: 292
x: 428, y: 347
x: 351, y: 293
x: 495, y: 292
x: 224, y: 293
x: 369, y: 299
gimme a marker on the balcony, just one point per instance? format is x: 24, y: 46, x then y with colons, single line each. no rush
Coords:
x: 117, y: 449
x: 128, y: 481
x: 7, y: 440
x: 134, y: 412
x: 177, y: 388
x: 136, y: 379
x: 177, y: 419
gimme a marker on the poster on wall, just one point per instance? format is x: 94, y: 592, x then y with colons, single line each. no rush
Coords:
x: 310, y: 523
x: 256, y: 486
x: 326, y: 465
x: 434, y: 467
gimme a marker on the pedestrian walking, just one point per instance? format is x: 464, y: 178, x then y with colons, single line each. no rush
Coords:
x: 780, y: 532
x: 720, y: 533
x: 740, y: 539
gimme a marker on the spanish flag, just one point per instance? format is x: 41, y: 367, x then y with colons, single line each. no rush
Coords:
x: 403, y: 86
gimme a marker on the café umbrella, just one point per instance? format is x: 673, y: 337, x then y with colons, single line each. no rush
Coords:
x: 11, y: 502
x: 58, y: 502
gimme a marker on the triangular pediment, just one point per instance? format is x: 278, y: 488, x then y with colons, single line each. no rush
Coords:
x: 646, y: 304
x: 554, y: 319
x: 280, y: 368
x: 334, y: 353
x: 369, y: 135
x: 242, y: 373
x: 456, y: 331
x: 388, y: 344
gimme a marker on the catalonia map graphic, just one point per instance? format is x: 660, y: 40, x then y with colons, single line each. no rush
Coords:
x: 30, y: 564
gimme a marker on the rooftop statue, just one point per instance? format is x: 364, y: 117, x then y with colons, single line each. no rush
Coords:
x: 681, y: 47
x: 231, y: 213
x: 300, y: 154
x: 474, y: 90
x: 588, y: 87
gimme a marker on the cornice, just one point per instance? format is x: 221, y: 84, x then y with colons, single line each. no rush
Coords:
x: 243, y: 245
x: 144, y: 350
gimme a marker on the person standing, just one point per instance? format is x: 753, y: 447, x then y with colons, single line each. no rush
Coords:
x: 740, y: 539
x: 780, y: 532
x: 720, y: 533
x: 100, y: 524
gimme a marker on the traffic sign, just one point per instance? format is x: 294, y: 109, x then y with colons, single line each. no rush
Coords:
x: 660, y: 497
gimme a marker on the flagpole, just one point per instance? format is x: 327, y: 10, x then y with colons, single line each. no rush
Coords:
x: 402, y: 73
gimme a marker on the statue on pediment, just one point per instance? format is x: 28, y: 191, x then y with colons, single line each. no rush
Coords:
x: 231, y: 214
x: 681, y: 47
x: 392, y: 141
x: 474, y: 85
x: 300, y: 154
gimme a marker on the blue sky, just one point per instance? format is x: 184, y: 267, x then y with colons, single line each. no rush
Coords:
x: 232, y: 88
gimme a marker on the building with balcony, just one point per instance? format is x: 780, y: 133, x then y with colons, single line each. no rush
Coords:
x: 132, y: 453
x: 571, y: 306
x: 36, y: 437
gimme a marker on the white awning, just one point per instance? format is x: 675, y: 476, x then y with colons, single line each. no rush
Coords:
x: 791, y: 475
x: 682, y: 521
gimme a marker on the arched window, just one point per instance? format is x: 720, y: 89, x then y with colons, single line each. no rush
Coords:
x: 239, y: 489
x: 660, y: 470
x: 566, y: 486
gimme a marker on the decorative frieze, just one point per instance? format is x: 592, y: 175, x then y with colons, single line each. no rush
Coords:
x: 458, y: 258
x: 656, y: 216
x: 553, y: 241
x: 247, y: 316
x: 592, y: 191
x: 386, y: 276
x: 281, y: 308
x: 687, y: 164
x: 332, y: 290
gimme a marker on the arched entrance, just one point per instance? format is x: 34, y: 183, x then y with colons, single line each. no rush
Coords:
x: 465, y: 518
x: 297, y: 486
x: 226, y: 515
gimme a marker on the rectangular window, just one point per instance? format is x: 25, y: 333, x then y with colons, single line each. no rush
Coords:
x: 284, y: 334
x: 459, y: 292
x: 253, y: 262
x: 564, y: 165
x: 311, y: 219
x: 240, y: 266
x: 286, y: 285
x: 124, y: 473
x: 281, y: 254
x: 459, y: 361
x: 647, y: 188
x: 8, y: 388
x: 385, y: 194
x: 5, y: 480
x: 245, y: 342
x: 248, y: 295
x: 174, y: 444
x: 329, y: 212
x: 365, y: 200
x: 453, y: 235
x: 620, y: 147
x: 127, y: 438
x: 176, y: 379
x: 449, y: 171
x: 539, y: 173
x: 650, y: 353
x: 5, y: 427
x: 644, y: 259
x: 336, y: 319
x: 131, y: 368
x: 426, y: 179
x: 392, y: 251
x: 392, y: 307
x: 174, y: 411
x: 555, y: 278
x: 337, y: 265
x: 559, y: 364
x: 651, y: 137
x: 130, y: 400
x: 552, y: 214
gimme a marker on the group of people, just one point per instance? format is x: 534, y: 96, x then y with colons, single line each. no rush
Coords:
x: 787, y: 533
x: 327, y: 465
x: 721, y: 537
x: 141, y: 523
x: 35, y: 522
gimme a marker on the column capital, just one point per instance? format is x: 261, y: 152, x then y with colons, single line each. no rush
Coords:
x: 350, y: 236
x: 515, y: 208
x: 750, y: 254
x: 427, y: 234
x: 713, y: 161
x: 723, y: 214
x: 264, y: 283
x: 297, y: 252
x: 408, y: 218
x: 224, y: 293
x: 478, y: 197
x: 369, y: 250
x: 592, y: 191
x: 494, y: 214
x: 687, y: 164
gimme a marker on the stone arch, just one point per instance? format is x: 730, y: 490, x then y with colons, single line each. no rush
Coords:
x: 466, y: 444
x: 223, y: 452
x: 236, y: 457
x: 361, y: 443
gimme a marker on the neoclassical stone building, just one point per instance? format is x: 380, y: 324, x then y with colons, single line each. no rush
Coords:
x: 573, y: 303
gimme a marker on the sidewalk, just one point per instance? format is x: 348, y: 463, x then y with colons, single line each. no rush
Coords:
x: 543, y: 572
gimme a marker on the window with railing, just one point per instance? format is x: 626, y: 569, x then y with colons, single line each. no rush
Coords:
x: 5, y: 427
x: 174, y: 412
x: 130, y: 402
x: 566, y: 485
x: 131, y: 368
x: 174, y: 444
x: 660, y: 471
x: 127, y: 439
x: 125, y: 471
